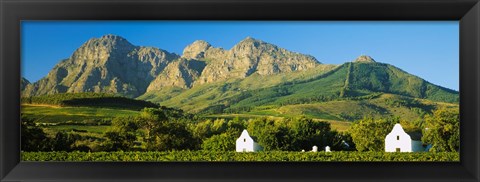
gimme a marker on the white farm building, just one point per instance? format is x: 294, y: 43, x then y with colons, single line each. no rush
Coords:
x: 245, y: 143
x: 400, y: 141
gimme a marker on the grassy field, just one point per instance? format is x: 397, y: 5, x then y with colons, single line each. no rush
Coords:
x: 84, y: 121
x: 335, y: 124
x: 55, y: 114
x: 91, y: 131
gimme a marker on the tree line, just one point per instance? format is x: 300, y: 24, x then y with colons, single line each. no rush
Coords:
x: 440, y: 130
x: 89, y: 99
x: 157, y: 129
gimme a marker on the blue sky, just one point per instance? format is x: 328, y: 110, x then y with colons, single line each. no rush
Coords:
x: 429, y: 50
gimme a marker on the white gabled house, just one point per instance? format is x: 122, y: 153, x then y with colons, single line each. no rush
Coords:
x: 245, y: 143
x: 400, y: 141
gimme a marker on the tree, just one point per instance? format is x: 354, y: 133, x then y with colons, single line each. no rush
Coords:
x: 369, y: 134
x: 171, y: 136
x: 33, y: 137
x: 63, y: 141
x: 221, y: 142
x: 270, y: 134
x: 291, y: 134
x: 443, y: 130
x: 342, y: 141
x: 305, y: 133
x: 274, y: 136
x: 122, y: 134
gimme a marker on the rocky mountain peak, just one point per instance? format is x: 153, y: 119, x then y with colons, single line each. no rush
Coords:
x: 365, y: 59
x: 252, y: 47
x: 108, y: 64
x: 196, y: 50
x: 111, y: 64
x: 250, y: 40
x: 109, y: 42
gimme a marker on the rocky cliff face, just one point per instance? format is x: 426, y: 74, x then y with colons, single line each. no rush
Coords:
x: 24, y: 83
x: 181, y: 73
x: 247, y: 57
x: 109, y: 64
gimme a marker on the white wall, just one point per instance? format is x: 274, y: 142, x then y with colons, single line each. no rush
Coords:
x: 245, y: 143
x: 398, y: 139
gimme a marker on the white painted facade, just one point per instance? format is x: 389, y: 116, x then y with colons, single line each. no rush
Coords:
x: 399, y: 141
x: 417, y: 146
x: 327, y: 149
x: 245, y: 143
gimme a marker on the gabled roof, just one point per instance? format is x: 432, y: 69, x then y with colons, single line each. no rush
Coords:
x: 246, y: 132
x: 415, y: 135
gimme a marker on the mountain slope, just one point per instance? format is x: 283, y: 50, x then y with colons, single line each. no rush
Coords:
x: 353, y: 80
x: 248, y: 57
x: 24, y: 83
x: 252, y: 56
x: 109, y: 64
x: 181, y: 73
x: 252, y: 78
x: 380, y: 77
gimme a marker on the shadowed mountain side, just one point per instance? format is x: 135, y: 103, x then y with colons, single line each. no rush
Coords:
x: 109, y: 64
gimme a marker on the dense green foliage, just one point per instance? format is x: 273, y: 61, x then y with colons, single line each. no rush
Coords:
x: 443, y: 130
x: 122, y: 133
x: 369, y: 134
x: 278, y: 156
x: 33, y: 138
x: 89, y: 99
x: 221, y: 142
x: 176, y: 136
x: 293, y: 134
x: 158, y: 130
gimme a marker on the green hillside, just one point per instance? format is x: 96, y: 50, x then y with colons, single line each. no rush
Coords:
x: 347, y: 92
x: 380, y: 77
x: 86, y: 114
x: 215, y: 97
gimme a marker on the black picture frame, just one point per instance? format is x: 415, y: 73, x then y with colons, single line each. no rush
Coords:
x: 14, y: 11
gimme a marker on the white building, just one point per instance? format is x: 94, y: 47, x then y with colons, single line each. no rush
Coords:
x: 245, y: 143
x: 400, y: 141
x: 327, y: 149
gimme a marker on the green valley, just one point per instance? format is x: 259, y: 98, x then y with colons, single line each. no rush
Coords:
x: 112, y: 96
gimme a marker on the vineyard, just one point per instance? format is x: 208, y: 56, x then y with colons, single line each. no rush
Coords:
x: 235, y: 156
x: 95, y: 100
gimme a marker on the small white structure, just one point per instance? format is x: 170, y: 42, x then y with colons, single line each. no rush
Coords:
x: 314, y: 148
x: 400, y: 141
x: 245, y: 143
x: 327, y: 149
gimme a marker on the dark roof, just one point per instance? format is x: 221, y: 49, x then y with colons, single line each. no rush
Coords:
x: 254, y: 138
x: 415, y: 135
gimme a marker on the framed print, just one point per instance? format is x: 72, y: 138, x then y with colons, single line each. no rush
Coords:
x: 239, y: 90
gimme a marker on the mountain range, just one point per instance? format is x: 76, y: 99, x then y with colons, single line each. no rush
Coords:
x: 251, y: 75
